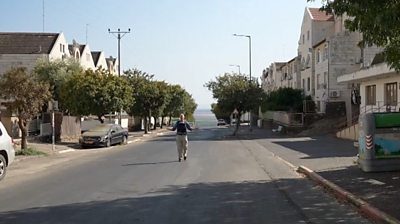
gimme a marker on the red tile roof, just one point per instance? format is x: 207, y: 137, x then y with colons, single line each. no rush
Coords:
x: 318, y: 15
x: 27, y: 43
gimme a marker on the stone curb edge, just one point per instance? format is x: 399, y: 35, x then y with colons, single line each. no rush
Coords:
x: 364, y: 207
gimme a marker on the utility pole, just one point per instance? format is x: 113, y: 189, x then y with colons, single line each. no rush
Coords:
x: 43, y: 15
x: 248, y: 36
x: 119, y: 34
x: 87, y: 29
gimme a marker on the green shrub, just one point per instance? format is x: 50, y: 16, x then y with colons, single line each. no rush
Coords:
x: 284, y: 99
x: 30, y: 152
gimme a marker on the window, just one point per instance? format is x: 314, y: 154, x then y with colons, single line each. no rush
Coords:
x: 318, y: 85
x: 304, y: 84
x: 325, y: 52
x: 61, y: 48
x: 325, y: 77
x: 370, y: 95
x: 391, y: 94
x: 318, y: 56
x: 308, y: 35
x: 308, y: 84
x: 303, y: 39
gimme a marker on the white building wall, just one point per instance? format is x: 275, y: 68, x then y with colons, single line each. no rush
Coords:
x: 321, y: 30
x: 60, y: 49
x: 380, y: 92
x: 306, y: 85
x: 312, y: 32
x: 369, y: 55
x: 321, y: 84
x: 102, y: 63
x: 86, y: 59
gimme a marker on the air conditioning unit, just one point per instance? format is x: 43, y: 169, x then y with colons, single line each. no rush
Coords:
x: 334, y: 93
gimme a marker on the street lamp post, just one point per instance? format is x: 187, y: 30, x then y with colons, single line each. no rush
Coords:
x: 238, y: 66
x: 248, y: 36
x: 119, y: 34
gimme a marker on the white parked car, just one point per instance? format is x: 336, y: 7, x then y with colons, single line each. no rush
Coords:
x: 7, y: 151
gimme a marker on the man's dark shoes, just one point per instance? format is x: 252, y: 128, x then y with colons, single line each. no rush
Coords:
x: 185, y: 157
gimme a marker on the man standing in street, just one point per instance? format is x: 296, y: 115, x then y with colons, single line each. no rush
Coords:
x: 181, y: 128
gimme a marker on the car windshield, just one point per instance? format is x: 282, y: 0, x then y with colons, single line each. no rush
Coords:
x: 101, y: 128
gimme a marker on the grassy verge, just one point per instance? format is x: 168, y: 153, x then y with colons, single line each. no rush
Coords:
x: 29, y: 152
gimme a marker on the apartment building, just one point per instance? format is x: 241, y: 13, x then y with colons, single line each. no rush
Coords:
x: 272, y: 77
x: 316, y: 26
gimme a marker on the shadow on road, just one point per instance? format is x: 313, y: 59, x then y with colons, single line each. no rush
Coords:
x: 379, y: 189
x: 320, y: 147
x: 153, y: 163
x: 227, y: 202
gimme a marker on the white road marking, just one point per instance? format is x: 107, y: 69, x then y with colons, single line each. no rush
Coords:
x: 374, y: 182
x: 305, y: 139
x: 67, y: 150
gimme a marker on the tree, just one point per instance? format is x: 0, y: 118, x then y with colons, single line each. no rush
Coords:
x: 174, y: 107
x: 189, y: 105
x: 220, y: 113
x: 284, y: 99
x: 141, y: 82
x: 56, y: 74
x: 96, y: 93
x: 24, y: 95
x: 159, y: 99
x: 377, y: 20
x: 234, y: 91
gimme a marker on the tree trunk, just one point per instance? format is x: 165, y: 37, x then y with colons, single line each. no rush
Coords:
x: 155, y: 123
x: 145, y: 125
x: 100, y: 118
x: 162, y: 122
x: 24, y: 133
x: 169, y: 121
x: 237, y: 125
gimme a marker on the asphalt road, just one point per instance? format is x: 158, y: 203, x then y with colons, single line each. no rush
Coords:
x: 224, y: 180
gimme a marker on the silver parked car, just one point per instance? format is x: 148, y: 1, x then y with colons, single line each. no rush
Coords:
x: 7, y: 151
x: 104, y: 135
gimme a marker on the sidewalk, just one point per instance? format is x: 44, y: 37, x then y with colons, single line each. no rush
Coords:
x: 66, y: 147
x: 335, y: 161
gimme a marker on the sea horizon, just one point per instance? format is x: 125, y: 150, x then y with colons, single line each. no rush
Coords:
x: 205, y: 118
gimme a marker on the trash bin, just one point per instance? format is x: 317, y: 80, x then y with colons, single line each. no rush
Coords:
x: 379, y: 142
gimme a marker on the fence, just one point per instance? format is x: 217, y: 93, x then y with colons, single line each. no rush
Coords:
x: 288, y: 119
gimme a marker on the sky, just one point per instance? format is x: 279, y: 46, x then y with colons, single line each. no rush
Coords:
x: 179, y: 41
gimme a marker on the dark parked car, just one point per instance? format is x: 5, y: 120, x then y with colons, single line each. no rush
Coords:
x: 104, y: 135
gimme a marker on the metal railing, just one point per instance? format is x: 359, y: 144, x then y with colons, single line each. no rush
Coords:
x: 379, y: 106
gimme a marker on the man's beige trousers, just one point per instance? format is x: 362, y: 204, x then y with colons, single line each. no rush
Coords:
x: 182, y: 145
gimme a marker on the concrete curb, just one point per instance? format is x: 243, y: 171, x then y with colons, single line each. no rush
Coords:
x: 363, y: 206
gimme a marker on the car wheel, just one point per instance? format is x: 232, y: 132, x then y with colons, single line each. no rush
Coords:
x: 108, y: 143
x: 3, y: 167
x: 124, y: 140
